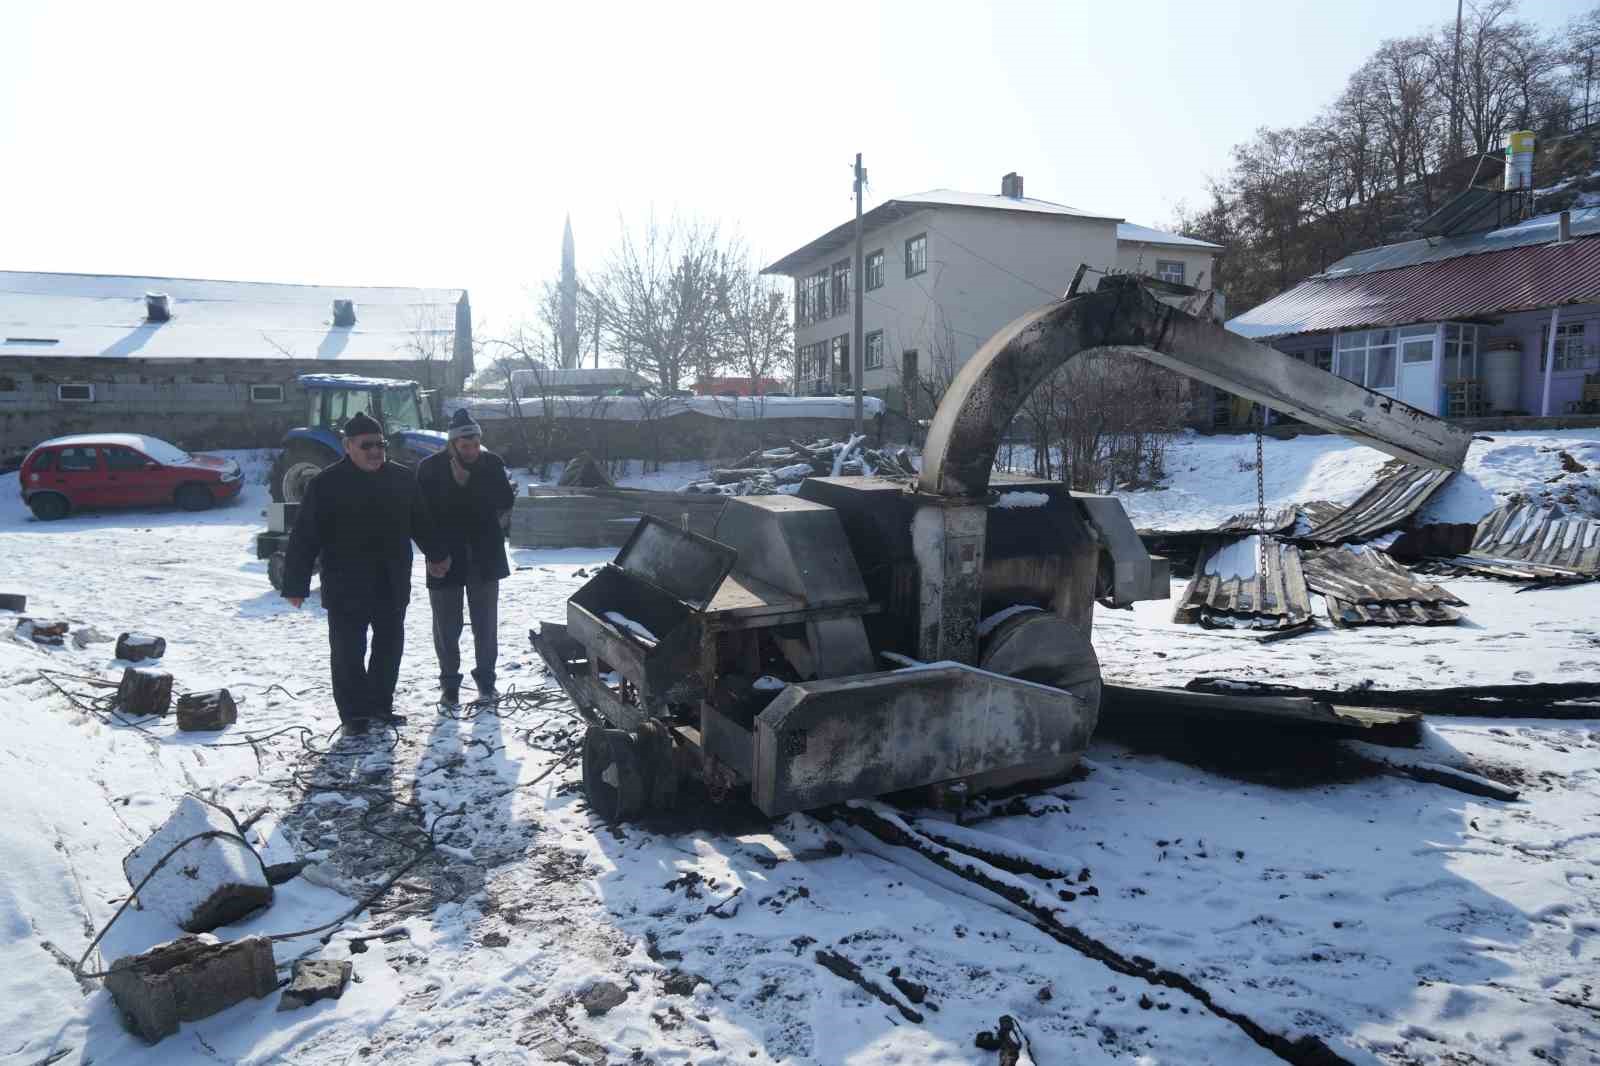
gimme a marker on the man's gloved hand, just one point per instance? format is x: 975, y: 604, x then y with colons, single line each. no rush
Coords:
x: 440, y: 568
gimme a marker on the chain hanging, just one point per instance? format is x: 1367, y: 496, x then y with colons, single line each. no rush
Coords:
x: 1261, y: 500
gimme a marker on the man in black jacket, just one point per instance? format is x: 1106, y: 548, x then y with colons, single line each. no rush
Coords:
x: 466, y: 491
x: 359, y: 518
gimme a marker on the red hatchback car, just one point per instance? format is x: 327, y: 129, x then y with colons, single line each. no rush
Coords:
x: 122, y: 470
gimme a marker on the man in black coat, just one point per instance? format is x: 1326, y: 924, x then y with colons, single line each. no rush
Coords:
x: 466, y: 490
x: 358, y: 518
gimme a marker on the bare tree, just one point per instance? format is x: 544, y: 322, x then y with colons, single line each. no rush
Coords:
x: 660, y: 297
x: 756, y: 333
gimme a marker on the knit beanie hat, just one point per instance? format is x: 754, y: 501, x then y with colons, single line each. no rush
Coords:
x: 360, y: 424
x: 462, y: 425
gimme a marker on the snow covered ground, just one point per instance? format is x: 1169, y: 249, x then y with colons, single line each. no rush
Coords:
x: 1400, y: 922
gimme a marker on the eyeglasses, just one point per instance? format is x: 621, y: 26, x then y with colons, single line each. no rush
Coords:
x: 373, y: 445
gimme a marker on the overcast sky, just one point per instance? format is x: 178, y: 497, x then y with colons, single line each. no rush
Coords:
x: 444, y: 144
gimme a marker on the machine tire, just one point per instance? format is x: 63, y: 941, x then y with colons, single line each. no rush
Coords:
x: 297, y: 464
x: 48, y: 506
x: 612, y: 780
x: 193, y: 497
x: 275, y: 564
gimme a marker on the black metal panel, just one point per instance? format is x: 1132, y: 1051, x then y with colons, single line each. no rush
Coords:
x: 686, y: 565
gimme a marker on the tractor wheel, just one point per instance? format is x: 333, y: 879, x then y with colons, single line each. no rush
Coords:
x: 275, y: 565
x: 299, y: 462
x: 48, y: 506
x: 612, y: 779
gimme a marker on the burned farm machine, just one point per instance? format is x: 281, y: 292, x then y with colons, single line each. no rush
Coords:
x: 868, y: 636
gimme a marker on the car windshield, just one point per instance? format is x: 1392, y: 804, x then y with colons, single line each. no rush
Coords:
x: 161, y: 451
x: 400, y: 410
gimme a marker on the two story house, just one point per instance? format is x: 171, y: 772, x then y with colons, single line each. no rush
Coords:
x: 944, y: 271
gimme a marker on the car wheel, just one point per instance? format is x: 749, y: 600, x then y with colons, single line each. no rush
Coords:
x: 48, y: 506
x: 194, y: 498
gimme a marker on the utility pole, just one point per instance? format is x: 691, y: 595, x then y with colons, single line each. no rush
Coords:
x: 858, y: 353
x: 1455, y: 90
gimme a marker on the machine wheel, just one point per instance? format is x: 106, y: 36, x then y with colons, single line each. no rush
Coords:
x: 48, y: 506
x: 612, y: 779
x: 299, y: 462
x: 275, y: 564
x: 194, y: 498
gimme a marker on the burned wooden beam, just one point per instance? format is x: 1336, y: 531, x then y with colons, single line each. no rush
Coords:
x: 1543, y: 700
x: 1125, y: 708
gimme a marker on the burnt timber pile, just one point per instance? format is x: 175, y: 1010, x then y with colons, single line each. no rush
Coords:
x: 869, y: 635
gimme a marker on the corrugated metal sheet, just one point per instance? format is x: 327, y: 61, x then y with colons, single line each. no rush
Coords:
x: 1534, y: 542
x: 1465, y: 286
x: 1471, y: 212
x: 1228, y: 590
x: 1386, y: 505
x: 1279, y: 521
x: 1366, y: 587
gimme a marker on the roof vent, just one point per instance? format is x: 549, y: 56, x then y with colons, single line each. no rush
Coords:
x: 1011, y: 185
x: 344, y: 313
x: 157, y: 307
x: 1564, y: 227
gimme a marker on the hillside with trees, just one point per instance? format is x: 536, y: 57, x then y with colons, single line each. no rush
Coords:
x: 1418, y: 122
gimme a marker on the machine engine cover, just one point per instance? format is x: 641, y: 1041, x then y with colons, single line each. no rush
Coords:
x: 823, y: 742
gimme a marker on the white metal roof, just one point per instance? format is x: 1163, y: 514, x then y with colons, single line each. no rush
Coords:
x: 103, y: 316
x: 955, y: 198
x: 1128, y: 231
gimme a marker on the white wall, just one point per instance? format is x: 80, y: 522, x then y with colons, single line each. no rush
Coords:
x: 985, y: 268
x: 1138, y: 257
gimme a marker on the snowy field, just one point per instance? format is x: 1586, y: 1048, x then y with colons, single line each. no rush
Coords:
x: 1398, y: 922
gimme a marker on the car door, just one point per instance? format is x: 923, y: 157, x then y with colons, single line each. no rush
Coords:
x: 133, y: 478
x: 79, y: 476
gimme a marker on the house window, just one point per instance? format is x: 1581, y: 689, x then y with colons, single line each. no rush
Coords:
x: 875, y: 269
x: 841, y: 287
x: 75, y: 393
x: 820, y: 311
x: 1170, y: 270
x: 802, y: 302
x: 1322, y: 359
x: 266, y: 393
x: 1569, y: 346
x: 1366, y: 357
x: 1460, y: 355
x: 813, y: 369
x: 874, y: 356
x: 917, y: 255
x: 841, y: 361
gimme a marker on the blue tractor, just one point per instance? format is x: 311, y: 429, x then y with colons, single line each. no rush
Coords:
x: 399, y: 406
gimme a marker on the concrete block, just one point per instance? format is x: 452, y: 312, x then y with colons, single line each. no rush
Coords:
x: 316, y: 979
x: 208, y: 882
x: 137, y: 647
x: 145, y: 690
x: 200, y: 712
x: 602, y: 996
x: 281, y: 516
x: 89, y: 635
x: 189, y: 978
x: 13, y: 601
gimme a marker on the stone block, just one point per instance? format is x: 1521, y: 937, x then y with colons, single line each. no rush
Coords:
x: 316, y: 979
x: 601, y: 996
x: 13, y: 601
x: 89, y: 635
x: 145, y: 690
x: 187, y: 979
x: 137, y: 647
x: 200, y: 712
x: 208, y: 882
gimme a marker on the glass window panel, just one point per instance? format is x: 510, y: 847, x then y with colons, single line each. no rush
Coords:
x: 1420, y: 351
x: 1350, y: 341
x: 1352, y: 365
x: 1380, y: 368
x: 79, y: 460
x: 1380, y: 336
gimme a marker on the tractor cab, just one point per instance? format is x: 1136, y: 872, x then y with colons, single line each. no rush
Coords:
x: 401, y: 407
